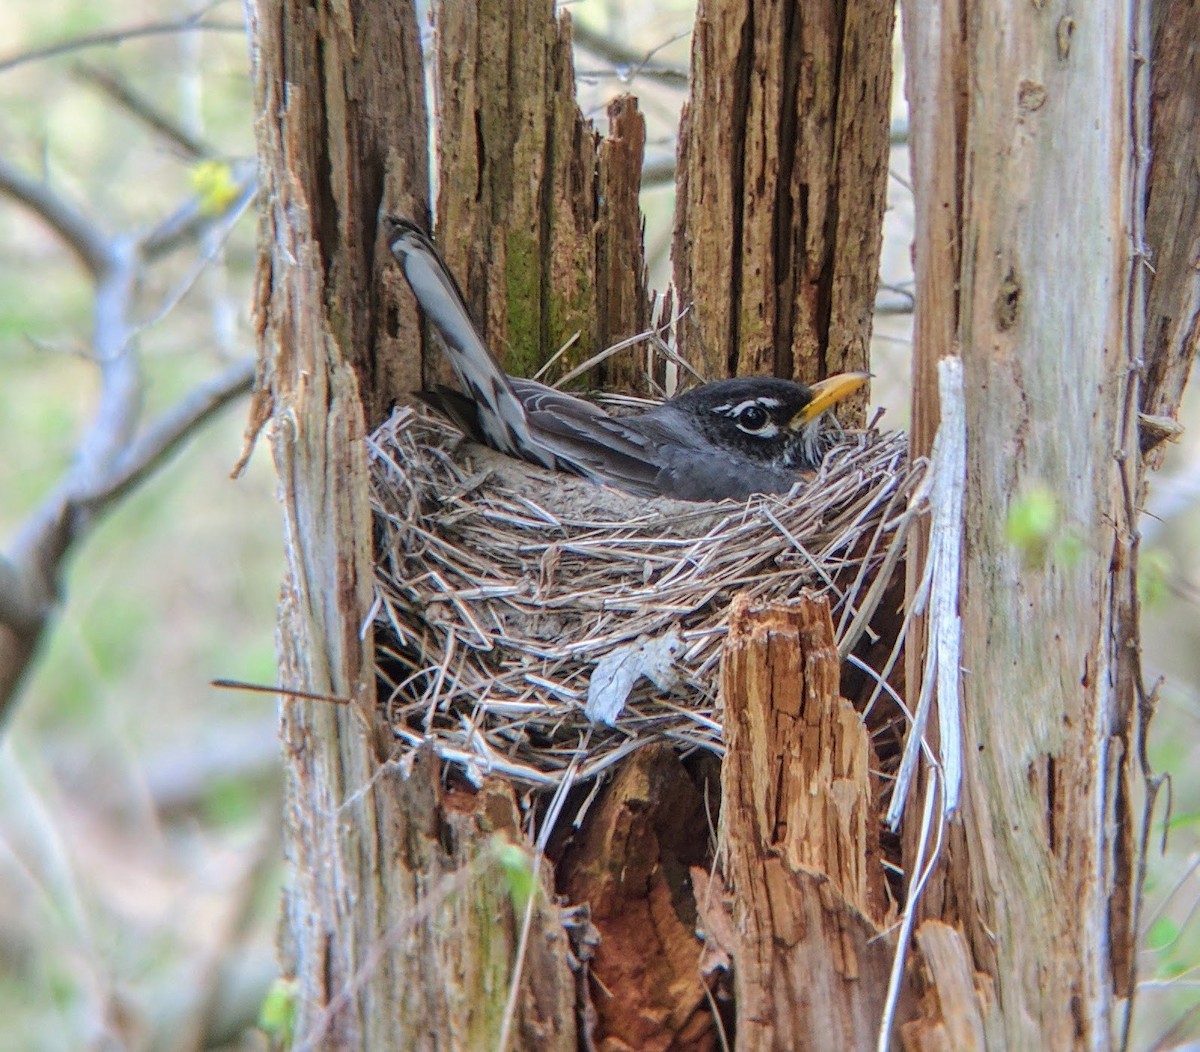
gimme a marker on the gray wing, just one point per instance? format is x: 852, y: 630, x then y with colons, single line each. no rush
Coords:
x: 719, y: 475
x: 658, y: 453
x: 604, y: 448
x: 687, y: 466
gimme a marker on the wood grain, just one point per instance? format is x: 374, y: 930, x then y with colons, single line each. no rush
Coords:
x: 800, y: 836
x: 782, y: 179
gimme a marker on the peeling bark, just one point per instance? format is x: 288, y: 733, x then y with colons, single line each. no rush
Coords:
x: 1172, y: 209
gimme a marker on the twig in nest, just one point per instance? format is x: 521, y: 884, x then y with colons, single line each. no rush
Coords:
x: 500, y: 588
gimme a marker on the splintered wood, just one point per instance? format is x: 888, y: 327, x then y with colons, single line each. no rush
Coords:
x: 958, y: 1009
x: 800, y: 836
x: 546, y: 253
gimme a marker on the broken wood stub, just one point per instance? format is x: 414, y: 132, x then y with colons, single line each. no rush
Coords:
x: 800, y: 837
x: 623, y: 302
x: 957, y: 1004
x: 783, y: 155
x: 539, y: 215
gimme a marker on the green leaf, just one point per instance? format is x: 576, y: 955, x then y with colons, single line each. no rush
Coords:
x: 517, y: 867
x: 277, y: 1016
x: 1163, y: 932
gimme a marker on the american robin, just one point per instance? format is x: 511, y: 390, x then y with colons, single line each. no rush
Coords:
x: 724, y: 439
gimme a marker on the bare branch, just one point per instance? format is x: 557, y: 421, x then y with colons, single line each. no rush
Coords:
x: 112, y: 457
x: 76, y: 230
x: 113, y: 263
x: 163, y: 437
x: 632, y: 62
x: 215, y: 238
x: 16, y: 610
x: 46, y: 535
x: 189, y: 23
x: 29, y: 580
x: 143, y: 109
x: 120, y: 367
x: 109, y: 461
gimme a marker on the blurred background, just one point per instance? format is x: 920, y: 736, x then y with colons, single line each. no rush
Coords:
x: 139, y: 805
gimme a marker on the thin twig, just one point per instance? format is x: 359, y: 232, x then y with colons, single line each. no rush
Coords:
x: 143, y: 109
x: 189, y: 23
x: 215, y: 231
x: 195, y: 217
x: 939, y: 592
x: 627, y: 61
x: 535, y: 875
x: 164, y: 437
x: 922, y: 867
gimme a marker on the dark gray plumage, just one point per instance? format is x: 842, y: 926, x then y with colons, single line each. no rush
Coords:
x: 725, y: 439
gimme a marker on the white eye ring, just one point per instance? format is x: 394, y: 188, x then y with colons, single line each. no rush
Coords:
x: 752, y: 418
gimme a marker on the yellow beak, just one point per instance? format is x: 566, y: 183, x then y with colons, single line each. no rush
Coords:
x: 828, y: 393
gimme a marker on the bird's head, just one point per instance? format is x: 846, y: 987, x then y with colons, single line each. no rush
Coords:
x: 776, y: 421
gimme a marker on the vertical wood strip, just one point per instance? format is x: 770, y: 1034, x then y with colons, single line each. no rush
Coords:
x: 800, y: 835
x: 783, y: 174
x: 623, y: 305
x: 535, y: 215
x: 1172, y: 209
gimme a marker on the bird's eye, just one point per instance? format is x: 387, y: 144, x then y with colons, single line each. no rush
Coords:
x: 752, y: 418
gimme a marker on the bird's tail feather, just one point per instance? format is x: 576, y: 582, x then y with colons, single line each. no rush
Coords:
x: 501, y: 417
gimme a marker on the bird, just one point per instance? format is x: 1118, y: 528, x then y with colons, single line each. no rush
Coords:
x: 722, y: 440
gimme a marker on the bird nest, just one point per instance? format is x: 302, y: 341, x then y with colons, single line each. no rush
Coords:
x: 537, y: 626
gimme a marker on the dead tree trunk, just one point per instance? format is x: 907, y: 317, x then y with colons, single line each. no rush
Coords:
x: 1037, y: 280
x: 1035, y: 295
x: 782, y: 185
x: 800, y: 822
x: 395, y: 927
x: 398, y: 925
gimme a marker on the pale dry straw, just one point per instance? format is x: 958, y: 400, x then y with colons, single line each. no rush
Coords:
x: 499, y: 587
